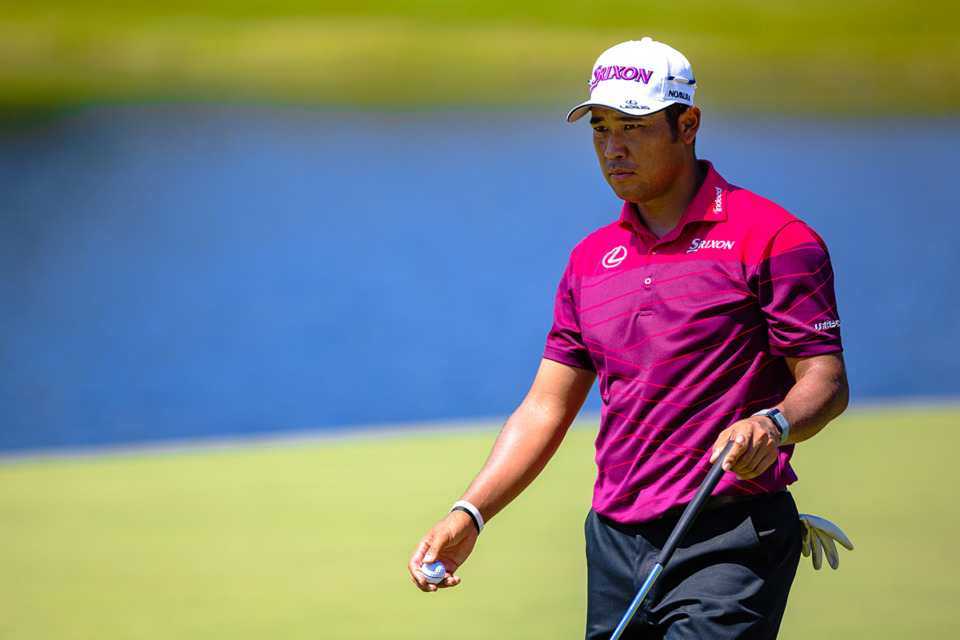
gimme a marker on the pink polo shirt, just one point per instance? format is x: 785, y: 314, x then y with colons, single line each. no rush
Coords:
x: 687, y: 335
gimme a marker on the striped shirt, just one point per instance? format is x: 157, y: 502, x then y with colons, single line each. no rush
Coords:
x: 687, y: 335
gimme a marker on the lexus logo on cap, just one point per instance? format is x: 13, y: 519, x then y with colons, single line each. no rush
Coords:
x: 615, y: 257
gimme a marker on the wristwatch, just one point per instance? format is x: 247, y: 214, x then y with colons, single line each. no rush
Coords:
x: 779, y: 422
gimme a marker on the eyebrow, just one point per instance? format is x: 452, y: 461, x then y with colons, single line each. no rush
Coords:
x: 621, y: 118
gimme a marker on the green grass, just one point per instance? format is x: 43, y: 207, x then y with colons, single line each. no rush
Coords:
x: 311, y: 541
x: 857, y: 57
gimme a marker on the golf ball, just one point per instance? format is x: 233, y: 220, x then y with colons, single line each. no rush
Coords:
x: 433, y: 572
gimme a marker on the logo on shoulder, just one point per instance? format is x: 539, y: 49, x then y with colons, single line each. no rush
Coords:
x: 698, y: 244
x: 718, y: 201
x: 615, y: 257
x: 826, y: 326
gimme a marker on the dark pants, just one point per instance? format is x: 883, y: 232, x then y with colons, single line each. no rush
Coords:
x: 729, y: 578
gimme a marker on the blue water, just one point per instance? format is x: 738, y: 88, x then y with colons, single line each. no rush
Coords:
x: 169, y: 272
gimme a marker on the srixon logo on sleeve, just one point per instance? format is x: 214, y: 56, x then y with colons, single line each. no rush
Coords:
x: 616, y: 72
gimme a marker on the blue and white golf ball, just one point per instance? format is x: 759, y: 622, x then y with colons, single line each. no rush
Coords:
x: 433, y: 572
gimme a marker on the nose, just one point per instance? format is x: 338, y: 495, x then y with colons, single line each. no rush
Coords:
x: 614, y: 147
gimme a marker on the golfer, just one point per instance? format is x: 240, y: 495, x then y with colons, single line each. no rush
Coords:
x: 705, y: 313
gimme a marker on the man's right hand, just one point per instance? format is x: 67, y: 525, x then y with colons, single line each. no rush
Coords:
x: 526, y: 443
x: 450, y: 541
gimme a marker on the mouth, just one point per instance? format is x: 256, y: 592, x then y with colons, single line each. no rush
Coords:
x: 619, y: 175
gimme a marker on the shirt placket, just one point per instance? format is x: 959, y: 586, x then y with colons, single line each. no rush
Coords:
x: 649, y: 294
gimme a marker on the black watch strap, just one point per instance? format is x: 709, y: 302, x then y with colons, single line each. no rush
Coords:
x: 779, y: 421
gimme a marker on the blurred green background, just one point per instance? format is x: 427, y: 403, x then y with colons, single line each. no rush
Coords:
x: 266, y: 541
x: 815, y: 56
x: 311, y: 540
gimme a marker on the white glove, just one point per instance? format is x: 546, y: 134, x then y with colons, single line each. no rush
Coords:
x: 818, y: 537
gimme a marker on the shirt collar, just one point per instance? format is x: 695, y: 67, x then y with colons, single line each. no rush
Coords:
x: 709, y: 204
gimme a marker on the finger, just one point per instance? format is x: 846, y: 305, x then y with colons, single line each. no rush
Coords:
x: 754, y: 460
x: 748, y: 459
x: 805, y: 538
x: 419, y: 579
x: 449, y: 581
x: 761, y: 452
x: 433, y: 544
x: 829, y: 548
x: 831, y: 529
x: 739, y: 445
x: 747, y: 456
x: 718, y: 448
x: 817, y: 552
x: 413, y: 566
x: 419, y: 558
x: 418, y: 554
x: 424, y: 586
x: 758, y: 465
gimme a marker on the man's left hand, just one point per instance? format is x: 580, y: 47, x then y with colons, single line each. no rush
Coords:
x: 755, y: 442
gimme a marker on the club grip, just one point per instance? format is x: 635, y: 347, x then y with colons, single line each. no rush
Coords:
x: 694, y: 507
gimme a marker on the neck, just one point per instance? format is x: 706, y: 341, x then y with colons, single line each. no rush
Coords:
x: 662, y: 214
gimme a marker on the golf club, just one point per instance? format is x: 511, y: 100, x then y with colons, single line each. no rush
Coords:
x: 683, y: 525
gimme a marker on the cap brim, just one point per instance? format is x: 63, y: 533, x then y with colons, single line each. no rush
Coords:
x: 582, y: 109
x: 579, y: 111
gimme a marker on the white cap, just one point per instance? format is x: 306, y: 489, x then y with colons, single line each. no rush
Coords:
x: 638, y: 77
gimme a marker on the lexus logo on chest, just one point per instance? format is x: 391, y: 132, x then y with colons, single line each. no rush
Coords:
x: 615, y: 257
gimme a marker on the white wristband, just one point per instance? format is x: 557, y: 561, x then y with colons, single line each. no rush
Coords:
x: 472, y: 511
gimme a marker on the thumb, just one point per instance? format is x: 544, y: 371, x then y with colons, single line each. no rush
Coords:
x: 432, y: 545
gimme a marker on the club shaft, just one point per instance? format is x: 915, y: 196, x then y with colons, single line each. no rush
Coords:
x: 694, y: 508
x: 625, y: 620
x: 690, y: 513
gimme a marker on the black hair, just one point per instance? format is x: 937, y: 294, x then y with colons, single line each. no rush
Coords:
x: 673, y: 113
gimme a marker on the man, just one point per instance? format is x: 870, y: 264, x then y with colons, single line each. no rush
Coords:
x: 705, y: 314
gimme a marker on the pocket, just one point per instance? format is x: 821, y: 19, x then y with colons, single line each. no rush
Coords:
x: 776, y: 525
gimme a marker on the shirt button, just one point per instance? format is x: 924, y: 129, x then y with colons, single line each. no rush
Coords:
x: 648, y: 281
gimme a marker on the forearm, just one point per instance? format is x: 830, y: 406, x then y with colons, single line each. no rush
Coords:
x: 530, y: 437
x: 819, y: 395
x: 525, y: 445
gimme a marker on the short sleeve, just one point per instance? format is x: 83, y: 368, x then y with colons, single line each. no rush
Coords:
x: 565, y: 340
x: 796, y: 293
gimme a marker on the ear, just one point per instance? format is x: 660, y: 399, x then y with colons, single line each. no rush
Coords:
x: 689, y: 124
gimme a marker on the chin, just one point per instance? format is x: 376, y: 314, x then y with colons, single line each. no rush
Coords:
x: 624, y: 193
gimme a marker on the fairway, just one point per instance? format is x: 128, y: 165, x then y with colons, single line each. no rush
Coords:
x: 311, y: 540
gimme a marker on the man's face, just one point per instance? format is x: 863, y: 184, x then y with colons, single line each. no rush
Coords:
x: 639, y: 156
